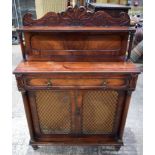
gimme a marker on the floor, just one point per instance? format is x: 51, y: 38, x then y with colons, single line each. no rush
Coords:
x: 133, y: 136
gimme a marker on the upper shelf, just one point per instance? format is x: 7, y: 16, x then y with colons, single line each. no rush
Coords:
x: 75, y: 29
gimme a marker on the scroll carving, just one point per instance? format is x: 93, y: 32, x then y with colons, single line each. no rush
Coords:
x: 133, y: 81
x: 20, y: 82
x: 78, y: 16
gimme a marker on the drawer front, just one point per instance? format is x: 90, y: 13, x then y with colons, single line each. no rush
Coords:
x: 53, y: 82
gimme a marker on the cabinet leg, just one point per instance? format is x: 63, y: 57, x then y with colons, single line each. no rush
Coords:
x: 117, y: 148
x: 35, y: 147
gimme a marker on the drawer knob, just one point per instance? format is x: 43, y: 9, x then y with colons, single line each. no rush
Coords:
x: 104, y: 83
x: 49, y: 83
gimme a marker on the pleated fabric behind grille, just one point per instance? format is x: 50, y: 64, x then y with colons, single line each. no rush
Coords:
x: 99, y: 109
x: 53, y: 111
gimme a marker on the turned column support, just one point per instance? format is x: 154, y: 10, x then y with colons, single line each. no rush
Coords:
x: 20, y: 35
x: 131, y: 36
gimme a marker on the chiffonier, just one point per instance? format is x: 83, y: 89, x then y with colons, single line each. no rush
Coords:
x: 76, y: 79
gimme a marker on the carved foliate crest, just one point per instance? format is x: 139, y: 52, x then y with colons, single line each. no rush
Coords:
x: 78, y: 16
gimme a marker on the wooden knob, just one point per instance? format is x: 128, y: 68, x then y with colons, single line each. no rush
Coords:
x: 49, y: 83
x: 104, y: 83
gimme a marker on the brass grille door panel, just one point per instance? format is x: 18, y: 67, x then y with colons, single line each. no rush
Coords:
x: 59, y: 111
x: 99, y: 111
x: 53, y: 109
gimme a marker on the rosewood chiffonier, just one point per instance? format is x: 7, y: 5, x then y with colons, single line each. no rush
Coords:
x: 76, y: 79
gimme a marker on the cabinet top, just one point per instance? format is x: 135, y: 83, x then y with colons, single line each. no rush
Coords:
x: 76, y: 67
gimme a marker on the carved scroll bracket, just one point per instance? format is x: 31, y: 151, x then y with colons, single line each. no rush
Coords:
x: 20, y: 82
x: 133, y: 81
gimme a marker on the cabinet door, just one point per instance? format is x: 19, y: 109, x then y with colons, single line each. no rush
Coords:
x: 51, y: 111
x: 102, y: 111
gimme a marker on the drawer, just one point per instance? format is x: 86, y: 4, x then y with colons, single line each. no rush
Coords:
x: 51, y: 82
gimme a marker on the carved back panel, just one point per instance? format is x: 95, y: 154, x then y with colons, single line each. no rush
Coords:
x: 78, y: 16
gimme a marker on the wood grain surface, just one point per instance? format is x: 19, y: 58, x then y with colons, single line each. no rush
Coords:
x: 73, y: 67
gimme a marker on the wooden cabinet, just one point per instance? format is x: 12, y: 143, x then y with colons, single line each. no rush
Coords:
x: 75, y: 80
